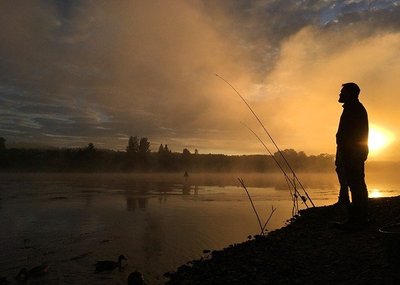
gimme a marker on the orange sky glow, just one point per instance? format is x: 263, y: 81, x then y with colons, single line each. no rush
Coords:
x: 90, y: 72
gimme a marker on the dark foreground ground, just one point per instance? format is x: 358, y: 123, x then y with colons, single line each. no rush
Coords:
x: 310, y: 250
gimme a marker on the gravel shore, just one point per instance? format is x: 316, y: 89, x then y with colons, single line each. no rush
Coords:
x: 309, y: 250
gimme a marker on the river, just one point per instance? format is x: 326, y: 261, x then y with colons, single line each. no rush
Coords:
x: 158, y: 221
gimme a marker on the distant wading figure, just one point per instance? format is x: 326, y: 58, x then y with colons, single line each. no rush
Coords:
x: 352, y: 152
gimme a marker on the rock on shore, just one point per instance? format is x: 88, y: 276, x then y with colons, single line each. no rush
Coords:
x: 309, y: 250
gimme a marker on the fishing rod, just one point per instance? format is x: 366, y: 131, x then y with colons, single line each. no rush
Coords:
x: 289, y: 181
x: 292, y: 183
x: 270, y: 137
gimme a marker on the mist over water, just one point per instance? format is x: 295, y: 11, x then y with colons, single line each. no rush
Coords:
x: 158, y: 221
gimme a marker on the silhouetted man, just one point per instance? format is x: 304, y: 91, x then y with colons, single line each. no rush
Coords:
x: 344, y: 199
x: 352, y: 152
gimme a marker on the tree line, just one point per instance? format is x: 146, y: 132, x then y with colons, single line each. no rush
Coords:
x: 138, y: 157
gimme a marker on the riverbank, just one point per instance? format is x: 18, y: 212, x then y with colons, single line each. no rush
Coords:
x: 309, y: 250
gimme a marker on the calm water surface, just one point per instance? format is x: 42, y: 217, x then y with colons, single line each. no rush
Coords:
x: 158, y: 222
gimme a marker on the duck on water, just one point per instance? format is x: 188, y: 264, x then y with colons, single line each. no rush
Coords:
x: 108, y: 265
x: 38, y: 271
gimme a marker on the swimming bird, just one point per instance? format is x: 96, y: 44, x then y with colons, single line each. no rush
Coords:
x: 37, y: 271
x: 135, y: 278
x: 108, y: 265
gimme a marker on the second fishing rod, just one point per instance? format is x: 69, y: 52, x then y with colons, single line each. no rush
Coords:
x: 296, y: 179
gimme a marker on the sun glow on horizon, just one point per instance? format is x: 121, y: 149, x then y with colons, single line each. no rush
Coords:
x: 378, y: 139
x: 375, y: 193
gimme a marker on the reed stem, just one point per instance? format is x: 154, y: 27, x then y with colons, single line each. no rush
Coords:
x: 252, y: 204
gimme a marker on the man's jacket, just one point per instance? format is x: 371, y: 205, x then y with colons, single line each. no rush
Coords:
x: 352, y: 134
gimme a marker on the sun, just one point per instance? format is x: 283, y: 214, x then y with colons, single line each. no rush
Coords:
x: 378, y: 139
x: 375, y: 193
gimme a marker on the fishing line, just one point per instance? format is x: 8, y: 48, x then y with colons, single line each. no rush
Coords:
x: 293, y: 183
x: 272, y: 140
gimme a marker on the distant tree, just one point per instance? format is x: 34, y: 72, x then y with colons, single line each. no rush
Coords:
x: 196, y: 151
x: 90, y: 148
x: 161, y: 156
x: 2, y: 143
x: 133, y: 145
x: 186, y: 157
x: 166, y: 150
x: 137, y: 152
x: 164, y: 157
x: 144, y: 146
x: 302, y: 155
x: 144, y: 153
x: 86, y: 158
x: 287, y: 155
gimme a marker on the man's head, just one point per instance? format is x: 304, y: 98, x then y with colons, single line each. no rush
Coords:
x: 349, y: 92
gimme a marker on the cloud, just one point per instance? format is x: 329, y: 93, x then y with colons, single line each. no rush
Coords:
x: 143, y: 65
x: 308, y: 75
x: 110, y: 69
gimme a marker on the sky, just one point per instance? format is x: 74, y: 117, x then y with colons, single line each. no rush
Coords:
x: 80, y: 71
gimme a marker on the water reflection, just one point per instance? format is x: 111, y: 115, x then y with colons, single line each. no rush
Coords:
x: 134, y: 202
x: 138, y: 198
x: 153, y: 238
x: 187, y: 187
